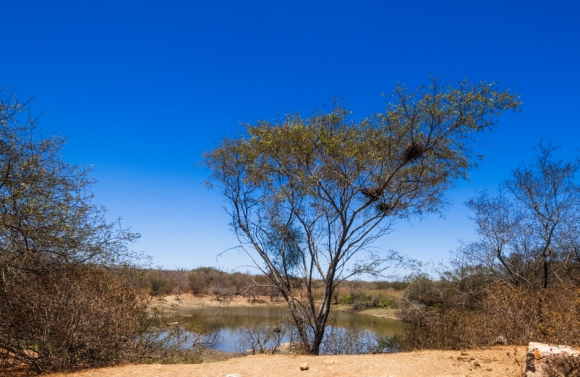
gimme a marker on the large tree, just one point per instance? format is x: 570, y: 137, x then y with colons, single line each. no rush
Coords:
x: 307, y: 196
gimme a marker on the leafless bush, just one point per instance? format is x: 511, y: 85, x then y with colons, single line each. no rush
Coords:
x: 171, y: 338
x: 565, y: 365
x: 222, y: 293
x: 274, y: 294
x: 517, y: 312
x: 348, y: 341
x: 69, y: 318
x: 251, y: 294
x: 262, y: 338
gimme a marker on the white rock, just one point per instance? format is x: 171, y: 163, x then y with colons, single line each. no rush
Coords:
x: 539, y: 355
x: 501, y: 340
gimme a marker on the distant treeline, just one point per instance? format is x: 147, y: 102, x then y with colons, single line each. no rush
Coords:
x: 222, y: 284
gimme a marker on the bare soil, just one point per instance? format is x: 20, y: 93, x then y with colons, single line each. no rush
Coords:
x: 494, y: 361
x: 188, y: 301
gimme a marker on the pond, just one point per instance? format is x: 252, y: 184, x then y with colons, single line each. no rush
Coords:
x: 235, y: 319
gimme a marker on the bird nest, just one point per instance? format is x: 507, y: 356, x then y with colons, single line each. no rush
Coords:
x: 413, y: 151
x: 384, y: 207
x: 373, y: 193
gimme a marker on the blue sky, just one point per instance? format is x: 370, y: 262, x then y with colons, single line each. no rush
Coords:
x: 142, y: 88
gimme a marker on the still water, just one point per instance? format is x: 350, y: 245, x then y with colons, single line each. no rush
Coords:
x: 234, y: 319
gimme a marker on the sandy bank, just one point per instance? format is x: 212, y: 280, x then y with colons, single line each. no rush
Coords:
x: 188, y: 301
x: 485, y: 362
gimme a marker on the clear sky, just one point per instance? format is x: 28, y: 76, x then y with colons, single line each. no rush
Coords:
x: 141, y: 88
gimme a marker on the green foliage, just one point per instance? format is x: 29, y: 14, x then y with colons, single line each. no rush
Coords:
x: 399, y: 285
x: 346, y: 299
x: 197, y: 284
x: 284, y: 246
x: 159, y: 285
x: 341, y: 183
x: 423, y: 290
x: 46, y: 214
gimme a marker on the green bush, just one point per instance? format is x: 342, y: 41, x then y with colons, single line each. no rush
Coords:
x: 399, y: 285
x: 346, y: 299
x: 159, y: 285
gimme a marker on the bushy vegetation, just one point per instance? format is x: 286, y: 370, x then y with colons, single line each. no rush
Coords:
x: 357, y: 294
x: 518, y: 282
x: 360, y: 295
x: 307, y: 196
x: 72, y: 317
x: 70, y: 293
x: 206, y: 281
x: 441, y: 315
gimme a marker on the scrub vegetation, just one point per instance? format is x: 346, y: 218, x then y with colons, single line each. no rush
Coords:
x: 519, y: 280
x: 202, y: 281
x: 307, y: 197
x: 70, y: 292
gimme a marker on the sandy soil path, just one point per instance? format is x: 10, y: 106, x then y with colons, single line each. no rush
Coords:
x: 474, y: 363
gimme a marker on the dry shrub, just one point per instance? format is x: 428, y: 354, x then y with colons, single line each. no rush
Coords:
x: 160, y: 285
x: 68, y: 318
x: 260, y: 338
x: 348, y: 341
x: 518, y: 313
x: 170, y: 338
x: 565, y: 365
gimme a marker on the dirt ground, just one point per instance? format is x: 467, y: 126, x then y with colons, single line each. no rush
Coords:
x: 188, y: 301
x: 495, y: 361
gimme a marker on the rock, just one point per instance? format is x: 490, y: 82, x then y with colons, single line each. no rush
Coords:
x: 543, y: 360
x: 304, y: 366
x: 500, y: 340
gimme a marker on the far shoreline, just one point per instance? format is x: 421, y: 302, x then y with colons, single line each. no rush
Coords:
x: 189, y: 301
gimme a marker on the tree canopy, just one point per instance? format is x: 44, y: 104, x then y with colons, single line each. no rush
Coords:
x: 306, y: 195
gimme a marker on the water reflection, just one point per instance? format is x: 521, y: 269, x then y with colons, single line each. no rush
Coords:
x: 235, y: 318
